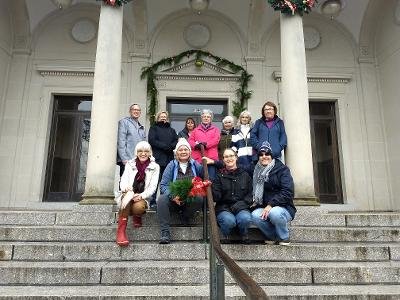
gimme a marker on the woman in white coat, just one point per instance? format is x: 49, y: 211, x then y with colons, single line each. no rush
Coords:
x: 138, y: 184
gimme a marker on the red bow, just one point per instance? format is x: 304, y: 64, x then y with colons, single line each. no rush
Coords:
x: 199, y: 188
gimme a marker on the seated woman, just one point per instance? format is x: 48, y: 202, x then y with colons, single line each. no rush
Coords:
x: 273, y: 192
x: 232, y: 193
x: 182, y: 167
x: 138, y: 184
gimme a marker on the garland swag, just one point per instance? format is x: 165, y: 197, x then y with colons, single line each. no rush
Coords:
x: 291, y: 7
x: 149, y: 72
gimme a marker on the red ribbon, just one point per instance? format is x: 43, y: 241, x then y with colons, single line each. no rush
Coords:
x: 199, y: 188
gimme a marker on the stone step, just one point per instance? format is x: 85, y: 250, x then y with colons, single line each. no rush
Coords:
x: 109, y: 251
x: 342, y: 234
x: 194, y: 272
x: 199, y: 292
x: 82, y: 215
x: 192, y: 233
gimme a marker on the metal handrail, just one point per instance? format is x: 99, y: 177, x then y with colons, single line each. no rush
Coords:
x: 251, y: 289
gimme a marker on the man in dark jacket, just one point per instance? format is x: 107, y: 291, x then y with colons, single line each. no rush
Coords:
x: 273, y: 192
x: 232, y: 192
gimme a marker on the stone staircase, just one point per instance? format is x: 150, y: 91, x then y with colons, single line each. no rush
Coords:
x: 71, y: 255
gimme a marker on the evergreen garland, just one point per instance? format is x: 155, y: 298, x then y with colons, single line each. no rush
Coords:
x: 181, y: 188
x: 149, y: 72
x: 290, y: 7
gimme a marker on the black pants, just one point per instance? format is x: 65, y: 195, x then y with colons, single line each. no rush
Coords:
x: 165, y: 206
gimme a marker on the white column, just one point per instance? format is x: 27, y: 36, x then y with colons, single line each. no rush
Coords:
x: 298, y: 154
x: 104, y: 119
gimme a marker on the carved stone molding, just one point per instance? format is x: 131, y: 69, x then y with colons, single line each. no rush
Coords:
x: 175, y: 76
x: 320, y: 77
x: 64, y: 71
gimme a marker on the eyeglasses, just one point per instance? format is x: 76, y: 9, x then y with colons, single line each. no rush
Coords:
x: 229, y: 156
x: 264, y: 154
x: 268, y: 109
x: 143, y: 151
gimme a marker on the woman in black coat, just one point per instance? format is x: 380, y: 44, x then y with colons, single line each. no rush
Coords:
x: 232, y: 192
x: 163, y: 139
x: 273, y: 193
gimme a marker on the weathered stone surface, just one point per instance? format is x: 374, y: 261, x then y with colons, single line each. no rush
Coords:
x: 93, y: 233
x: 339, y: 234
x: 305, y: 218
x: 156, y: 272
x: 382, y: 219
x: 27, y: 218
x: 56, y: 273
x: 42, y: 252
x: 357, y: 273
x: 309, y: 252
x: 85, y: 218
x: 6, y: 252
x: 395, y: 252
x: 94, y: 208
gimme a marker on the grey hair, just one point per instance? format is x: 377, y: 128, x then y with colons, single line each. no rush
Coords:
x: 208, y: 112
x: 245, y: 112
x: 143, y: 145
x: 227, y: 119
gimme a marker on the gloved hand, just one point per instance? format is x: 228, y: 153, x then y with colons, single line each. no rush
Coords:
x: 198, y: 146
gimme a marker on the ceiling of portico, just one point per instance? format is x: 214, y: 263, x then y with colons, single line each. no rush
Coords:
x: 237, y: 10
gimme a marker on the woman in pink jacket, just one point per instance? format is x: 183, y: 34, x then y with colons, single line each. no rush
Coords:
x: 208, y: 135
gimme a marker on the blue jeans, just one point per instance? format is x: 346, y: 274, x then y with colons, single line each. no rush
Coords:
x: 275, y: 227
x: 227, y: 221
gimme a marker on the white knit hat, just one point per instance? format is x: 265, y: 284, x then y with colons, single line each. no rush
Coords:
x: 182, y: 142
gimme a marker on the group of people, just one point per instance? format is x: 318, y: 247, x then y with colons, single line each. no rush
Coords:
x: 250, y: 183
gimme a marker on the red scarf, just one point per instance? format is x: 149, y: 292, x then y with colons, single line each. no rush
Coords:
x: 141, y: 168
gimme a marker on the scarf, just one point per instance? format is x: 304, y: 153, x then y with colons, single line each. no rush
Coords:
x: 140, y: 175
x: 261, y: 175
x: 206, y: 126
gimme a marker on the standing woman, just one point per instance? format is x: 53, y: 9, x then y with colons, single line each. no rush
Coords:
x: 226, y: 135
x: 241, y: 139
x: 232, y: 193
x: 138, y: 184
x: 273, y: 192
x: 208, y: 135
x: 162, y: 138
x: 190, y: 124
x: 269, y: 128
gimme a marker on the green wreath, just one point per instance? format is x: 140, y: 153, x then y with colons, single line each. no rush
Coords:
x: 291, y: 7
x: 150, y: 73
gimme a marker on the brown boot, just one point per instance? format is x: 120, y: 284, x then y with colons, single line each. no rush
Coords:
x: 122, y: 239
x: 137, y: 221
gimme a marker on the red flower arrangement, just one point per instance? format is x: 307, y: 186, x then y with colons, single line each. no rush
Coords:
x: 115, y: 2
x: 187, y: 190
x: 293, y: 6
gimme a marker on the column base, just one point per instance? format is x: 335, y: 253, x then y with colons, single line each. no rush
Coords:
x: 97, y: 200
x: 306, y: 201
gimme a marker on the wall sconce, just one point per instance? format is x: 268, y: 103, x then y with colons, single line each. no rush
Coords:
x: 332, y: 8
x: 199, y: 5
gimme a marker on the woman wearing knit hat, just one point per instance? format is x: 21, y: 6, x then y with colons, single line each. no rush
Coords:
x: 273, y: 192
x: 182, y: 167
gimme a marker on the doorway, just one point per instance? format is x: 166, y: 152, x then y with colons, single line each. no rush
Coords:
x: 181, y: 108
x: 68, y: 148
x: 325, y: 150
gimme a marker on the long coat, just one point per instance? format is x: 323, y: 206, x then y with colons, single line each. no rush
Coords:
x: 163, y: 139
x: 279, y: 190
x: 130, y: 132
x: 210, y: 136
x: 276, y: 136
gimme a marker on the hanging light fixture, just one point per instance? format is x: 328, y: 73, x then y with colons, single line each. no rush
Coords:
x: 199, y: 5
x: 332, y: 8
x: 62, y: 4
